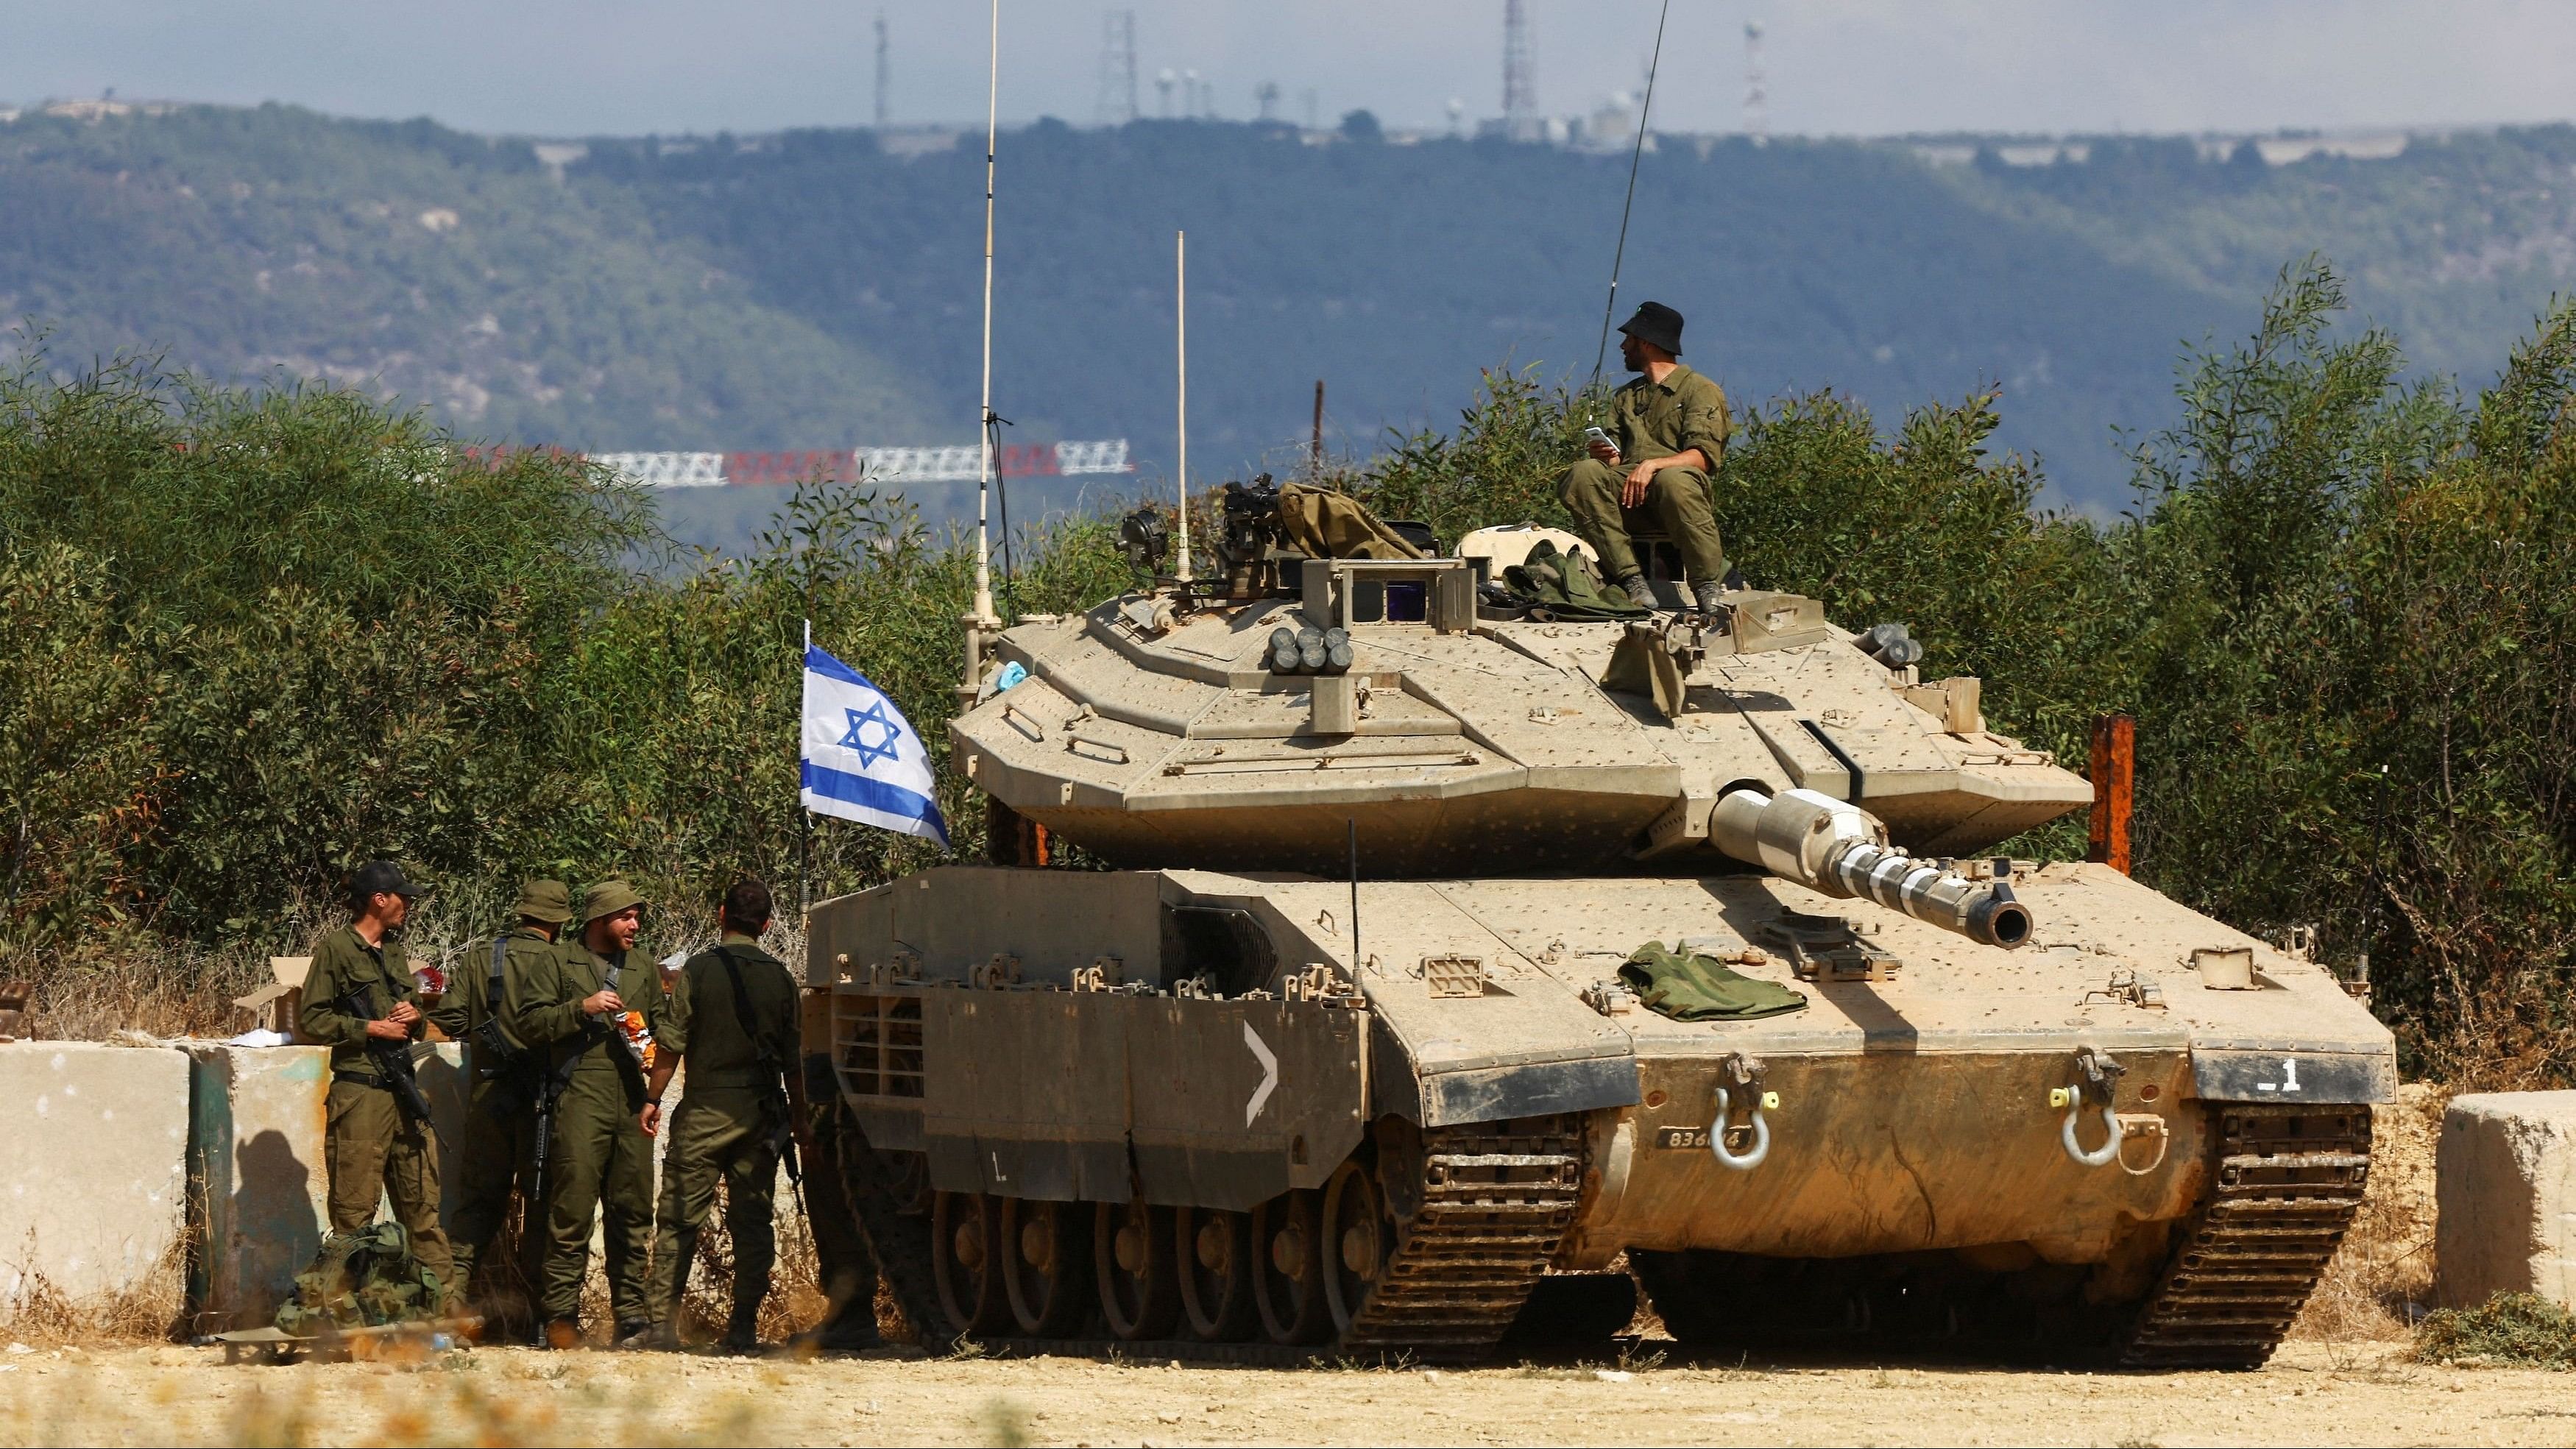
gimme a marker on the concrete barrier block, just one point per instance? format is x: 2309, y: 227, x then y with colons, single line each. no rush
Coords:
x: 93, y: 1169
x: 2505, y: 1184
x: 255, y: 1150
x: 257, y: 1119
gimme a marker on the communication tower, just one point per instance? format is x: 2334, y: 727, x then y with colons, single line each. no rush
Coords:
x: 1520, y: 85
x: 1163, y: 84
x: 1117, y: 105
x: 1757, y: 88
x: 884, y: 66
x: 1267, y: 93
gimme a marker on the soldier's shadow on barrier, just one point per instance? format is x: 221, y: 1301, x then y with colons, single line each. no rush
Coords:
x: 273, y: 1212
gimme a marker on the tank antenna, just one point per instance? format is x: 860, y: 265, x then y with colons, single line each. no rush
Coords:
x: 1644, y: 110
x: 1354, y: 823
x: 983, y: 620
x: 1181, y: 351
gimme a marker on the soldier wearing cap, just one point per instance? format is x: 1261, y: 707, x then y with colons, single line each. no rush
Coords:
x: 496, y: 1155
x: 353, y: 995
x: 585, y: 1003
x: 1668, y: 435
x: 732, y: 1021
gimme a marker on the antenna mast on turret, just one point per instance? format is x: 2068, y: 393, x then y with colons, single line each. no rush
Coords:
x: 983, y: 621
x: 1181, y: 363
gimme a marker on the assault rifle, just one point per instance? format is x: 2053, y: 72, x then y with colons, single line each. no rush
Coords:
x: 392, y: 1059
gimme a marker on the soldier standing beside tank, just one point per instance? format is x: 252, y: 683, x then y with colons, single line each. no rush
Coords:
x: 1667, y: 438
x: 497, y: 1153
x: 732, y: 1020
x: 586, y: 1002
x: 377, y: 1139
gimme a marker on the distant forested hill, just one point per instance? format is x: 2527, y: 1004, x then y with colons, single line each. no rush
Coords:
x: 811, y: 290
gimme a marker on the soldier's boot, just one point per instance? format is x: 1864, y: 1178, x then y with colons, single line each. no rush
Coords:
x: 630, y: 1329
x: 660, y: 1337
x: 1639, y: 592
x: 742, y: 1334
x: 559, y: 1333
x: 459, y: 1287
x: 1712, y: 595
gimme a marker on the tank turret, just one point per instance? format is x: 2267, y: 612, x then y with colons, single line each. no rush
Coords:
x: 1183, y: 725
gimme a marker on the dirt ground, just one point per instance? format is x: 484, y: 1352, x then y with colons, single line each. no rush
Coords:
x: 2345, y: 1378
x: 2312, y: 1394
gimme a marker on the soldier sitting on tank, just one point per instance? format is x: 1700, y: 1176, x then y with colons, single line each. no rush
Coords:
x: 1667, y: 435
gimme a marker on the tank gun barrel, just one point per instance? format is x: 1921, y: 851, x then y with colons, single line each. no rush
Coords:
x: 1838, y: 848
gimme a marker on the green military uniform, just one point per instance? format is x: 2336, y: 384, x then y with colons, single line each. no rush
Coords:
x: 601, y: 1160
x: 368, y: 1148
x: 1655, y: 420
x: 733, y: 1106
x: 496, y: 1155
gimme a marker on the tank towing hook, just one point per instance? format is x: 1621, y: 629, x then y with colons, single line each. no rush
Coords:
x: 1746, y: 1075
x: 2097, y: 1074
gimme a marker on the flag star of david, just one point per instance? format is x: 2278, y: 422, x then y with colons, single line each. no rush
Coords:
x: 856, y: 739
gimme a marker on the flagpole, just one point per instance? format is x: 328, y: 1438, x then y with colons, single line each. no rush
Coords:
x: 804, y: 817
x: 984, y: 620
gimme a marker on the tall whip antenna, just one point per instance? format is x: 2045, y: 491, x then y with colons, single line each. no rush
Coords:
x: 1181, y: 350
x: 1621, y: 255
x: 984, y: 619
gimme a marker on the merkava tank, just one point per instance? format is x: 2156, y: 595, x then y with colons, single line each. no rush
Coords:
x: 1456, y: 950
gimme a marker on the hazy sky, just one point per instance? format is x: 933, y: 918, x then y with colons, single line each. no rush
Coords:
x: 561, y: 67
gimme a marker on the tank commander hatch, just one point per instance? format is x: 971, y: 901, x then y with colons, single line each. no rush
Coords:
x: 1653, y: 465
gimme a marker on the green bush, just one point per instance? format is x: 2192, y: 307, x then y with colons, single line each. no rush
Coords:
x: 247, y: 640
x: 2520, y: 1329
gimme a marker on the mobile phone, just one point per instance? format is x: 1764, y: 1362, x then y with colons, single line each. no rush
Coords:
x: 1594, y: 435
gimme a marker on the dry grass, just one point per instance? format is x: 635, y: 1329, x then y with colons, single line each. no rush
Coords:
x: 146, y: 1311
x: 795, y: 1302
x: 2381, y: 1281
x: 162, y: 990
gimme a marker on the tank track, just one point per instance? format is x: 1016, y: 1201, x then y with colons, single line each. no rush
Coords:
x: 900, y: 1239
x: 2285, y: 1185
x: 1495, y: 1204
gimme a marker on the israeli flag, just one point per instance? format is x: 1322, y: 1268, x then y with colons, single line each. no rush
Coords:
x: 863, y: 761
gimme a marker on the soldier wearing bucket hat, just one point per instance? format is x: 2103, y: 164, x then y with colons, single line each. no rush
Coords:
x: 593, y: 1008
x: 496, y: 1153
x: 361, y: 1004
x: 1667, y: 437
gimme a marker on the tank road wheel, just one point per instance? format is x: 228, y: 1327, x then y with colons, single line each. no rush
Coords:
x: 1046, y: 1263
x: 1131, y: 1249
x: 964, y: 1247
x: 1356, y: 1242
x: 1288, y: 1269
x: 1214, y: 1251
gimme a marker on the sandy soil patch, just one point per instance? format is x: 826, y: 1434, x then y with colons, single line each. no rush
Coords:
x: 2312, y: 1394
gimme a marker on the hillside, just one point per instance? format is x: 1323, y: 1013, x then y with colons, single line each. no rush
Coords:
x: 812, y: 290
x: 443, y: 268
